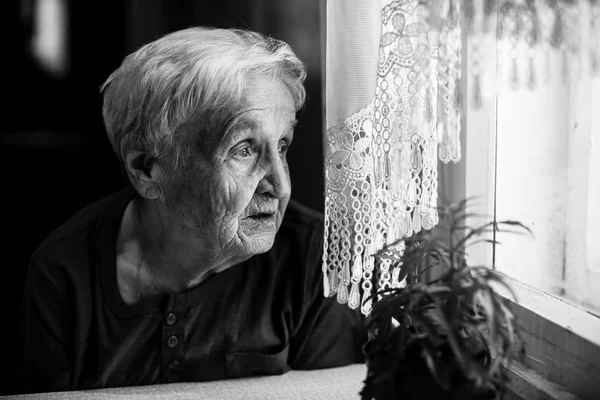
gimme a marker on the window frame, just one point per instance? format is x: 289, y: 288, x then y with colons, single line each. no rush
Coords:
x: 562, y: 346
x: 562, y: 341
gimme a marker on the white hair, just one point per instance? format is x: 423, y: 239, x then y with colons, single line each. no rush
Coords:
x: 185, y: 76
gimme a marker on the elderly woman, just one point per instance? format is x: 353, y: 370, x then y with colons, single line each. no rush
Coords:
x: 202, y: 268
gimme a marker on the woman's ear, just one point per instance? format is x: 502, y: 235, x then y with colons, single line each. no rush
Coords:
x: 143, y: 175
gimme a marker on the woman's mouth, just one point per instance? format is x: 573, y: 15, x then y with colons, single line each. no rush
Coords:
x: 260, y: 216
x: 260, y: 221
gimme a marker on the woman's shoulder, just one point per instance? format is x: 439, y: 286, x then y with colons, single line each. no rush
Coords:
x: 299, y: 242
x: 73, y: 237
x: 300, y: 216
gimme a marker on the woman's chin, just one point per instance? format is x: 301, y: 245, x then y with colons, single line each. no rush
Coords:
x: 258, y: 242
x: 258, y: 233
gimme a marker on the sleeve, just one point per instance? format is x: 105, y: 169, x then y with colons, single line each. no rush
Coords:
x: 330, y: 334
x: 47, y: 330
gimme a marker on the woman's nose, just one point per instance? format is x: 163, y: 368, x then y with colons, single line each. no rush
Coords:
x: 276, y: 180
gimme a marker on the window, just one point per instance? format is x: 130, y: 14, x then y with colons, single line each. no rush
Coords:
x: 49, y: 40
x: 529, y: 153
x: 533, y: 155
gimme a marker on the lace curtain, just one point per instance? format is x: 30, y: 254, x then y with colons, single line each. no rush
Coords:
x: 393, y: 109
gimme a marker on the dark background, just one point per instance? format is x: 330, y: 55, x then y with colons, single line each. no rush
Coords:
x: 55, y: 157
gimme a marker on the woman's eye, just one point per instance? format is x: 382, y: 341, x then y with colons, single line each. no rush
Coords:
x: 244, y: 153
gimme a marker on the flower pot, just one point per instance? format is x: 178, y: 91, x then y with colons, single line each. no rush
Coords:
x: 393, y: 376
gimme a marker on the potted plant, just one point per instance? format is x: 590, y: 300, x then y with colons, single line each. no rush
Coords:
x: 445, y: 338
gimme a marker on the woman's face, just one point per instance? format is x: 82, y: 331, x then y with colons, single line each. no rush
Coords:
x: 235, y: 186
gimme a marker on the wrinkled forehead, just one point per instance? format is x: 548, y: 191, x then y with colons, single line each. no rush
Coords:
x: 270, y: 116
x: 262, y: 96
x: 253, y: 120
x: 268, y: 91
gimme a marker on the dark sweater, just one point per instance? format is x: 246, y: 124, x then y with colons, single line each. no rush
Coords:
x: 263, y: 316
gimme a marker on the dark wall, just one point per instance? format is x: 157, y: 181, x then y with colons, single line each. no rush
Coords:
x: 54, y: 154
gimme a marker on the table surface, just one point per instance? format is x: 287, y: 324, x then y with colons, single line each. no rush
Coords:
x: 324, y: 384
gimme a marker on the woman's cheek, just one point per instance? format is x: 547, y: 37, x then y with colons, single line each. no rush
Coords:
x: 241, y: 191
x: 222, y: 215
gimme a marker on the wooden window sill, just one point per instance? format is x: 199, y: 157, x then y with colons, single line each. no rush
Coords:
x: 562, y: 344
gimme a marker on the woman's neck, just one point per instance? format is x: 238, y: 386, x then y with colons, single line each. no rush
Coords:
x: 174, y: 258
